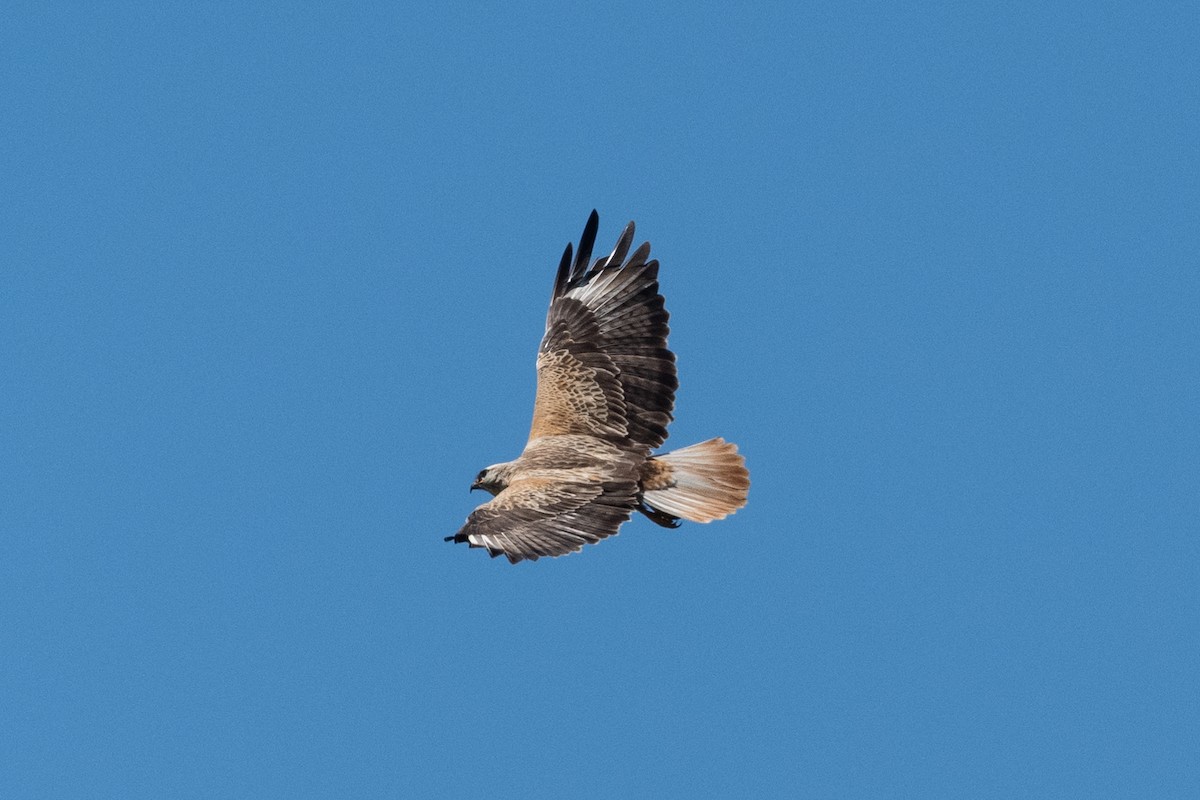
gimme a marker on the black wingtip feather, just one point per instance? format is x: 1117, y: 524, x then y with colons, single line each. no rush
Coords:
x: 640, y: 255
x: 586, y: 242
x: 618, y: 254
x: 564, y: 272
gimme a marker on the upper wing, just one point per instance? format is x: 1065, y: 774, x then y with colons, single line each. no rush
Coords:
x: 537, y: 517
x: 603, y: 366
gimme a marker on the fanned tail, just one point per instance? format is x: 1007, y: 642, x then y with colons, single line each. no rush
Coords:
x: 700, y: 483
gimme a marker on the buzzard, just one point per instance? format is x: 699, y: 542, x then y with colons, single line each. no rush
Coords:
x: 605, y: 390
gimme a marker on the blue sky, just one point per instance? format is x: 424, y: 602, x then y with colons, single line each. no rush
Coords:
x: 271, y: 282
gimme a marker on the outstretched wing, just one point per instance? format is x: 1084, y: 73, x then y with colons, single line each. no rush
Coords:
x: 537, y: 517
x: 603, y: 366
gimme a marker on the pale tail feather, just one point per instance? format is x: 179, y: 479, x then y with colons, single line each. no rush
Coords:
x: 711, y: 482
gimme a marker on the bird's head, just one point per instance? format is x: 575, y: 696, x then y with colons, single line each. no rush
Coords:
x: 493, y: 479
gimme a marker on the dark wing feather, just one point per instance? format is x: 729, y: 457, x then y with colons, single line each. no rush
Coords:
x: 587, y: 240
x: 539, y: 517
x: 564, y: 273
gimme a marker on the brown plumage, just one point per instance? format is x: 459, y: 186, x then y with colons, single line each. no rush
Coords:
x: 605, y: 391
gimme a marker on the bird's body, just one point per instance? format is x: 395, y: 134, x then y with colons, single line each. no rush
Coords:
x: 605, y: 392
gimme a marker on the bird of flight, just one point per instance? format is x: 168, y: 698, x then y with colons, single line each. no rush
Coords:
x: 605, y: 391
